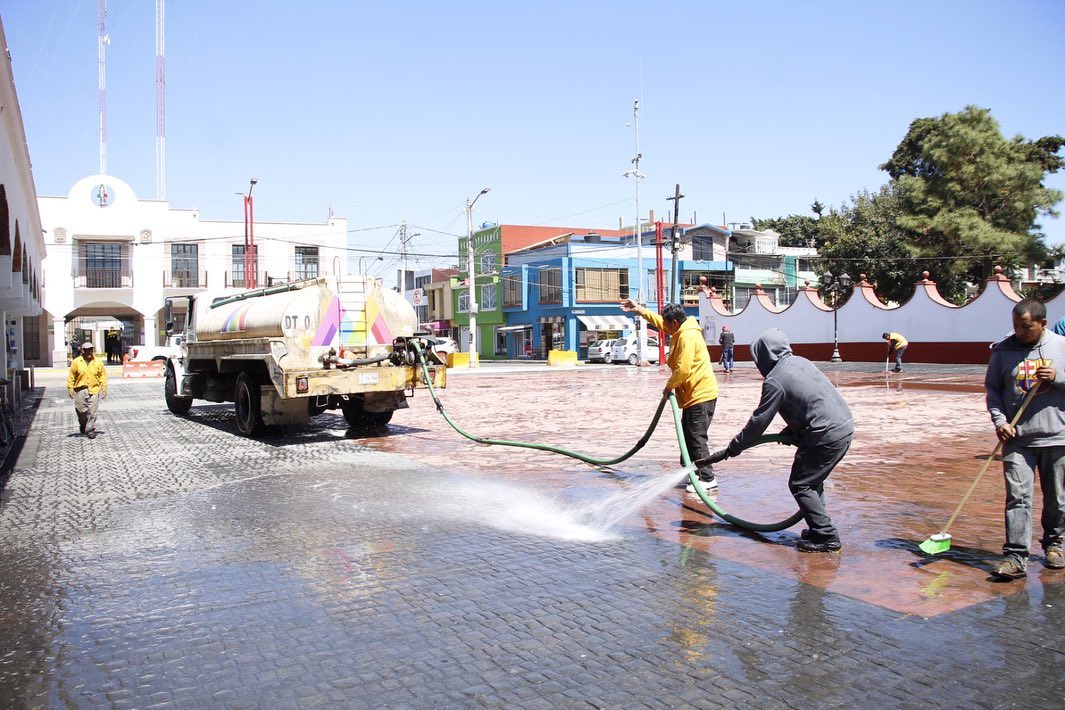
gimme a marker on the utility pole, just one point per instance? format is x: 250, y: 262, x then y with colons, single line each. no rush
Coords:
x: 676, y: 244
x: 403, y: 259
x: 637, y: 175
x: 470, y: 260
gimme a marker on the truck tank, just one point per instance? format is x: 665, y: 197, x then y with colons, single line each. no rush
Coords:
x: 357, y: 316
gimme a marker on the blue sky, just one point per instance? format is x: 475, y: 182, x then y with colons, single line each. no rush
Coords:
x: 400, y: 111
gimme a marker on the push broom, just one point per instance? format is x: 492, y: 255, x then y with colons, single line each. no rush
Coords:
x: 940, y: 542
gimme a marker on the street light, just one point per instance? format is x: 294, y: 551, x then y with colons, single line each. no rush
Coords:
x: 249, y: 236
x: 362, y: 268
x: 470, y: 271
x: 834, y: 287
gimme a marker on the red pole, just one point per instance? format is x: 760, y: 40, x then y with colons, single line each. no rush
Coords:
x: 246, y: 249
x: 661, y: 291
x: 251, y: 240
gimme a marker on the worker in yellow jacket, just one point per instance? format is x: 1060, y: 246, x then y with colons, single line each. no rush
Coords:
x: 896, y: 345
x: 87, y: 385
x: 692, y: 379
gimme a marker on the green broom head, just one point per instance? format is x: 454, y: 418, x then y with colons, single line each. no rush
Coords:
x: 940, y: 542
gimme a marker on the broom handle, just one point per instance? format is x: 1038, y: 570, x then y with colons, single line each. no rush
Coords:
x: 1024, y: 405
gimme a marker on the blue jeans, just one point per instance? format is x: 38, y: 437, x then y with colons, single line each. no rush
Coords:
x: 1019, y: 465
x: 898, y: 357
x: 726, y: 358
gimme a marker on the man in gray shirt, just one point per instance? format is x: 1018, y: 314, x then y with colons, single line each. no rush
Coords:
x: 1032, y: 357
x: 816, y: 417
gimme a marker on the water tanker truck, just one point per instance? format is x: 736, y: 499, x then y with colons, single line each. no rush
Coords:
x: 286, y: 353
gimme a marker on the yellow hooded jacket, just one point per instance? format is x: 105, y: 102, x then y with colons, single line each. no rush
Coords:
x: 692, y: 379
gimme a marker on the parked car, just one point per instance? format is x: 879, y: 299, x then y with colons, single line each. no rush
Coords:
x: 600, y: 350
x: 443, y: 345
x: 624, y: 350
x: 148, y: 353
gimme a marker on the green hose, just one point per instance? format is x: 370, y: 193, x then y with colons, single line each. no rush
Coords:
x: 700, y: 491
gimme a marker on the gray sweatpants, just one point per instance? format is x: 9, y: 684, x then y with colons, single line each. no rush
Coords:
x: 1018, y: 466
x: 85, y: 405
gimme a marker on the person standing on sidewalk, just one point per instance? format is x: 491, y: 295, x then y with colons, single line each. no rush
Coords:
x: 1032, y: 357
x: 87, y: 385
x: 728, y: 342
x: 692, y: 379
x: 817, y: 419
x: 896, y: 345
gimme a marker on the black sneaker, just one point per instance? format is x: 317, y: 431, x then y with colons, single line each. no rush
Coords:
x: 91, y: 435
x: 820, y: 545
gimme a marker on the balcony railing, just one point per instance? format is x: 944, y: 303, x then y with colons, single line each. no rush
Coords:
x: 103, y: 278
x: 184, y: 279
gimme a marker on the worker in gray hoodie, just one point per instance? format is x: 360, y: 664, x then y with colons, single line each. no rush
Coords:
x: 1032, y: 357
x: 817, y: 419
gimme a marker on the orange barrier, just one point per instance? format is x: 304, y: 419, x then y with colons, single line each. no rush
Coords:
x: 152, y: 368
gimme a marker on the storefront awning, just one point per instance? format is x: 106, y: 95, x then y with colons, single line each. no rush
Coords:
x: 514, y: 328
x: 606, y: 322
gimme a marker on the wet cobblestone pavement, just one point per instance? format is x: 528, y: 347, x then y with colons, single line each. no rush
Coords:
x: 172, y: 563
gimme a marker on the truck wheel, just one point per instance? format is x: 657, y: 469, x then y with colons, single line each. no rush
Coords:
x: 177, y: 405
x: 359, y: 418
x: 248, y: 399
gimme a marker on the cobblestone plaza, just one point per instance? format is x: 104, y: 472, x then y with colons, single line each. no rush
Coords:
x: 171, y: 562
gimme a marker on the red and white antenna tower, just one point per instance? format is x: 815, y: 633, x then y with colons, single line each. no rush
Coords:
x: 102, y: 42
x: 160, y: 99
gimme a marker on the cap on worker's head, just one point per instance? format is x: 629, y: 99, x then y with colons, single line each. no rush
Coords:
x: 87, y: 345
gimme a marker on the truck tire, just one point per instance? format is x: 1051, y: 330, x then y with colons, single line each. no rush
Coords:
x: 248, y: 399
x: 358, y: 418
x: 177, y: 405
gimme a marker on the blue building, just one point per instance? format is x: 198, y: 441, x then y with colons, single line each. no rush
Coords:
x: 563, y: 293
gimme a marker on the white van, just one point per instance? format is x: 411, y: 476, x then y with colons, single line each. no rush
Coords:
x: 624, y: 350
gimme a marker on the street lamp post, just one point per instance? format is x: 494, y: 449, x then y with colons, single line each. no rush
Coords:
x: 834, y: 287
x: 249, y: 237
x: 362, y: 267
x: 470, y: 272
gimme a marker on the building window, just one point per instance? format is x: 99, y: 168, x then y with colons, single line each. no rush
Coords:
x: 31, y: 338
x: 550, y: 285
x: 488, y: 262
x: 238, y: 279
x: 489, y: 298
x: 185, y: 265
x: 601, y: 284
x: 103, y: 264
x: 464, y: 301
x: 512, y: 291
x: 306, y: 263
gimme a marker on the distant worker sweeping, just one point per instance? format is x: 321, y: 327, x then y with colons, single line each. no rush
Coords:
x: 691, y: 379
x: 896, y: 346
x: 817, y: 419
x: 1033, y: 357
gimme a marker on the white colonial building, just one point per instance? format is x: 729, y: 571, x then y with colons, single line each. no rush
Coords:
x: 21, y: 240
x: 112, y: 260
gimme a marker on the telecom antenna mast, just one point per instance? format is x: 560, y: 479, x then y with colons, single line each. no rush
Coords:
x: 102, y: 41
x: 160, y: 99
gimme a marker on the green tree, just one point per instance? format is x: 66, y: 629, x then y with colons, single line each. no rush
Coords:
x: 964, y: 189
x: 863, y: 237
